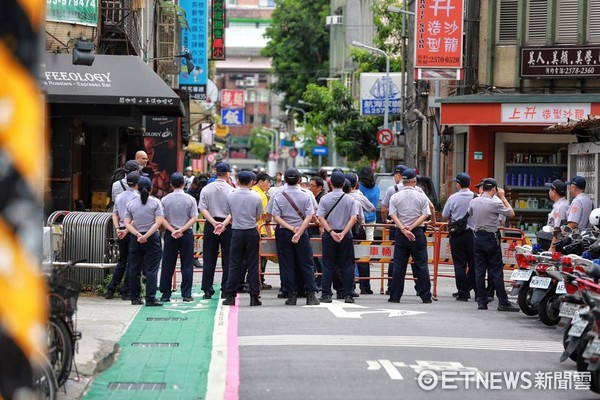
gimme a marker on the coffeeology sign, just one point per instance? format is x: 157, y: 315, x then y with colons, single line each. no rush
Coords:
x: 560, y: 62
x: 81, y: 12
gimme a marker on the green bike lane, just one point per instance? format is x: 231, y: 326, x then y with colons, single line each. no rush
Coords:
x: 178, y: 351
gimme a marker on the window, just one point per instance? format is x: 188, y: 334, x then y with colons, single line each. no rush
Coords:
x: 250, y: 95
x: 593, y: 16
x: 537, y: 21
x: 266, y: 3
x: 263, y: 95
x: 567, y: 21
x: 507, y: 26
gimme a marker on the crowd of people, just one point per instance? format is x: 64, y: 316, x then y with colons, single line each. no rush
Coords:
x: 292, y: 209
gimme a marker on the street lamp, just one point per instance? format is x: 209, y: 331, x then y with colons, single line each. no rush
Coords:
x: 386, y: 102
x: 387, y: 80
x: 288, y: 107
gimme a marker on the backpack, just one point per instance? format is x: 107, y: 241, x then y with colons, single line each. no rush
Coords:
x: 119, y: 174
x: 455, y: 228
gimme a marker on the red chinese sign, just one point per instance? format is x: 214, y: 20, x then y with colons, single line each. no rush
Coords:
x: 217, y: 30
x: 438, y: 34
x: 232, y: 98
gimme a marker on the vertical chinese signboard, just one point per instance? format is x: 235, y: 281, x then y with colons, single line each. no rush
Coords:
x: 217, y: 32
x: 439, y: 34
x: 194, y: 40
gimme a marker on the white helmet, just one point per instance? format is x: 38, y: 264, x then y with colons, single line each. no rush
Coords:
x: 595, y: 217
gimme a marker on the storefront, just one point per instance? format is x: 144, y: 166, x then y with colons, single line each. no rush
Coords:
x: 507, y: 140
x: 99, y: 116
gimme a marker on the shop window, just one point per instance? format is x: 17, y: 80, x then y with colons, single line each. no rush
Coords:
x: 263, y: 95
x: 537, y: 21
x: 568, y: 21
x: 593, y: 16
x: 507, y: 24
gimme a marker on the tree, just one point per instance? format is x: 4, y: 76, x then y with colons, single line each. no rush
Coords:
x: 298, y: 46
x: 260, y: 144
x: 334, y: 108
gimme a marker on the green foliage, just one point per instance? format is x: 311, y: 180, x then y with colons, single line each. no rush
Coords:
x: 260, y: 145
x: 101, y: 288
x: 298, y: 46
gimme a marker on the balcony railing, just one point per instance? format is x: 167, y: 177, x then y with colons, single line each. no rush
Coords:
x: 119, y: 27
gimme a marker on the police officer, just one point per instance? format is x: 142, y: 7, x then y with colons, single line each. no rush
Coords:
x: 409, y: 210
x: 181, y: 213
x: 359, y: 233
x: 292, y: 211
x: 213, y: 206
x: 461, y: 244
x: 484, y: 211
x: 337, y: 214
x: 143, y: 218
x: 244, y: 207
x: 118, y: 216
x: 560, y: 206
x: 581, y: 205
x: 120, y: 186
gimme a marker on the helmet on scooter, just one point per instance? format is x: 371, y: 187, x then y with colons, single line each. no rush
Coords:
x: 595, y: 218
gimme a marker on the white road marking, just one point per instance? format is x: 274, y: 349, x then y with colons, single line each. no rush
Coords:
x: 337, y: 308
x: 217, y: 370
x: 405, y: 341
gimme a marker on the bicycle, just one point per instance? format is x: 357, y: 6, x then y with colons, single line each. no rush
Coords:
x: 62, y: 333
x: 45, y: 385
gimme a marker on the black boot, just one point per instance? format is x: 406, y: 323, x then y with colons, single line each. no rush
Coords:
x: 229, y: 300
x: 254, y: 301
x: 292, y: 299
x: 311, y: 299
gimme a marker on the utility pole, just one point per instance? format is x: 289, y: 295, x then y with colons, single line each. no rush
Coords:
x: 410, y: 118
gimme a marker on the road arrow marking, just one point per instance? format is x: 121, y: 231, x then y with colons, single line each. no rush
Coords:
x: 337, y: 308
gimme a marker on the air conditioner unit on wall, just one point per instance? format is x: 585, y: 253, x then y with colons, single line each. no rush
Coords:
x: 334, y: 20
x: 250, y: 81
x: 239, y: 83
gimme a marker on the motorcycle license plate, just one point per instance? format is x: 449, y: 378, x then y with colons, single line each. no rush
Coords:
x: 538, y: 282
x: 592, y: 348
x: 578, y: 328
x: 568, y: 310
x: 560, y: 288
x: 577, y: 316
x: 521, y: 275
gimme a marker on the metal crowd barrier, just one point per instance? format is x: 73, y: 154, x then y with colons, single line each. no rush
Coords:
x: 86, y: 236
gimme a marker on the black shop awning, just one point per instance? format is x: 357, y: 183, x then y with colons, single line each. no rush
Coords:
x: 111, y: 81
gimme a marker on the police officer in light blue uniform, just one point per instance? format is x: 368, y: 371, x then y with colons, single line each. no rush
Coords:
x: 337, y: 214
x: 181, y: 213
x: 292, y: 210
x: 244, y: 207
x: 213, y: 206
x: 485, y: 211
x: 581, y: 205
x: 409, y: 210
x: 122, y: 268
x: 461, y: 244
x: 143, y: 218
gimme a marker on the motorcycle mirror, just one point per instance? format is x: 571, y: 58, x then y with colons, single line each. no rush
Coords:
x: 576, y: 237
x: 566, y: 229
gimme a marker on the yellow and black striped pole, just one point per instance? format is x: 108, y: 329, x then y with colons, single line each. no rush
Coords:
x: 23, y: 162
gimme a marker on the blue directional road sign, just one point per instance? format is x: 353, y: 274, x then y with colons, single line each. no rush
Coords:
x: 320, y: 151
x: 232, y: 116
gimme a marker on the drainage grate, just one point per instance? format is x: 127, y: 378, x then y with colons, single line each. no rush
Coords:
x: 154, y: 319
x: 154, y: 344
x: 136, y: 385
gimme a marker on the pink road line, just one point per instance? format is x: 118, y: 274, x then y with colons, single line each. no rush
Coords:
x: 233, y: 355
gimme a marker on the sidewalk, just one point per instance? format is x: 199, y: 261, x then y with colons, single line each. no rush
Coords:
x: 102, y: 324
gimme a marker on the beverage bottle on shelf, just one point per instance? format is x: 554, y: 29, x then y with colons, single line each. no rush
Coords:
x: 513, y: 180
x: 520, y: 180
x: 530, y: 179
x: 506, y: 180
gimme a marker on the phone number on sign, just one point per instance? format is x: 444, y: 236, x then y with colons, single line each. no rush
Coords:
x: 73, y: 3
x: 571, y: 71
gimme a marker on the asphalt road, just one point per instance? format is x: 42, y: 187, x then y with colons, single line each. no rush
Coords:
x: 378, y: 350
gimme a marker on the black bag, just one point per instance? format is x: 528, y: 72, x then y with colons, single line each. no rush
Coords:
x: 358, y: 231
x: 455, y: 228
x: 119, y: 174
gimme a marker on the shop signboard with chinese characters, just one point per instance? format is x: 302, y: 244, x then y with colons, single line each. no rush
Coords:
x: 438, y: 34
x: 563, y: 62
x: 232, y: 98
x: 232, y: 116
x: 543, y: 113
x: 217, y: 31
x: 372, y: 93
x: 194, y: 40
